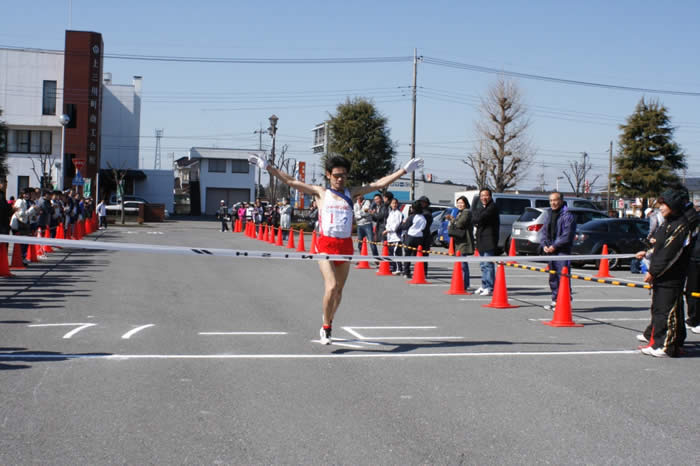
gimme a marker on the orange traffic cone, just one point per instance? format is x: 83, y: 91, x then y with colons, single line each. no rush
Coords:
x: 451, y: 250
x: 604, y: 268
x: 88, y: 226
x: 32, y: 254
x: 260, y: 232
x: 266, y: 233
x: 279, y: 237
x: 500, y: 291
x: 290, y: 240
x: 301, y: 247
x: 314, y: 247
x: 60, y: 232
x: 47, y: 234
x: 419, y: 271
x: 272, y: 235
x: 384, y: 268
x: 17, y: 262
x: 512, y: 252
x: 476, y: 252
x: 363, y: 252
x: 457, y: 283
x: 562, y: 311
x: 4, y: 264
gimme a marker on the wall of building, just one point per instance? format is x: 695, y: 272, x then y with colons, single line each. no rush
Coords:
x: 121, y: 123
x: 22, y: 76
x: 157, y: 188
x: 224, y: 180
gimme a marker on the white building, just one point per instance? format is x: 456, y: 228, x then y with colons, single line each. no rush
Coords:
x: 121, y: 123
x: 224, y: 174
x: 31, y: 100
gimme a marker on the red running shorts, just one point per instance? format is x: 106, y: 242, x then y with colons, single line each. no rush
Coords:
x: 330, y: 245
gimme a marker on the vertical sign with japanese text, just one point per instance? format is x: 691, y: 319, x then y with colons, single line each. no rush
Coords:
x: 302, y: 178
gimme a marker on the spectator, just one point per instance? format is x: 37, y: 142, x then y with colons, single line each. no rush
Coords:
x: 102, y: 215
x: 242, y: 213
x: 44, y: 208
x: 461, y: 229
x: 391, y: 233
x: 693, y: 281
x: 313, y: 216
x: 257, y: 212
x: 250, y: 213
x: 427, y: 235
x: 378, y: 211
x: 668, y: 267
x: 285, y: 217
x: 557, y: 237
x: 5, y: 210
x: 19, y: 223
x: 363, y: 219
x: 221, y: 215
x: 414, y: 226
x: 485, y: 217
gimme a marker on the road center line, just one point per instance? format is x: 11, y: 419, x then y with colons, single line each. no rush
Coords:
x: 241, y: 333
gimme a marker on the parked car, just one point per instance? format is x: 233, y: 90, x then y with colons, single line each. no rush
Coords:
x: 443, y: 239
x: 527, y: 228
x: 622, y: 235
x: 126, y: 198
x: 130, y: 207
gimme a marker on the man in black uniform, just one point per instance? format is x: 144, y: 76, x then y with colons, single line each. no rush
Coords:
x: 667, y: 273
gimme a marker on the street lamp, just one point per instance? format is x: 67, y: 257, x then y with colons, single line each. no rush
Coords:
x: 64, y: 120
x: 559, y: 178
x: 273, y: 132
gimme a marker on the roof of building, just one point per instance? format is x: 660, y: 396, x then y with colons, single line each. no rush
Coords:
x: 220, y: 153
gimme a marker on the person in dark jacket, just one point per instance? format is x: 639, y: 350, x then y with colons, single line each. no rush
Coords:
x: 413, y: 228
x: 427, y: 242
x: 5, y: 211
x: 378, y: 212
x: 557, y: 238
x: 485, y: 217
x: 461, y: 229
x: 668, y: 267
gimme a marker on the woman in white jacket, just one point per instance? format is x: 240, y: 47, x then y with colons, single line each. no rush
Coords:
x: 285, y: 217
x: 392, y: 233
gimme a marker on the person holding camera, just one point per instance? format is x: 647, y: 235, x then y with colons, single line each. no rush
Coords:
x: 461, y: 229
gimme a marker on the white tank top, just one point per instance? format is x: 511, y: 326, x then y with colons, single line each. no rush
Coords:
x: 335, y: 218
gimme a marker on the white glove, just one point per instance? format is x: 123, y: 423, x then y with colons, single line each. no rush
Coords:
x: 413, y: 165
x: 256, y: 160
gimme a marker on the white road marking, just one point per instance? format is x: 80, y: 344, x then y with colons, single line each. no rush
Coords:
x: 242, y: 333
x: 124, y: 357
x: 602, y: 319
x: 392, y: 328
x: 131, y: 332
x: 69, y: 334
x: 577, y: 300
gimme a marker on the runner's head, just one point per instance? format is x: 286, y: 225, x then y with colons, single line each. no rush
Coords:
x: 337, y: 169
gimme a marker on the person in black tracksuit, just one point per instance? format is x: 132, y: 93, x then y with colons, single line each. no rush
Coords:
x: 427, y: 236
x: 667, y: 273
x: 692, y: 284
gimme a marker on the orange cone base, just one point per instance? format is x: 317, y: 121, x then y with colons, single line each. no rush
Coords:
x: 384, y: 267
x: 551, y: 323
x: 562, y: 310
x: 500, y: 291
x: 500, y: 305
x: 363, y: 252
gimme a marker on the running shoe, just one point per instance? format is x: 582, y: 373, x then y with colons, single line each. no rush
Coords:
x: 478, y: 290
x: 551, y: 306
x: 656, y: 352
x: 325, y: 336
x: 485, y: 292
x: 642, y: 338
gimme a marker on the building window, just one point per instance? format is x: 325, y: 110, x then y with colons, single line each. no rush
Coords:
x: 216, y: 165
x: 48, y: 106
x: 22, y: 184
x: 22, y: 141
x: 240, y: 166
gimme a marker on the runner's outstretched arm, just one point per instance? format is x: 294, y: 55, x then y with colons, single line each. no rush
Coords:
x: 411, y: 165
x: 284, y: 177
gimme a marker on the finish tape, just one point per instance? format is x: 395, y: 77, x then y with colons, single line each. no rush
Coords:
x: 239, y: 253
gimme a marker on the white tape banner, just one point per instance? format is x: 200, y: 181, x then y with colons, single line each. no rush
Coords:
x: 250, y: 254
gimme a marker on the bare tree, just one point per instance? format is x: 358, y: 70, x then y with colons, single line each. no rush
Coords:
x: 273, y: 187
x: 45, y: 162
x: 578, y: 178
x: 479, y: 165
x: 506, y: 152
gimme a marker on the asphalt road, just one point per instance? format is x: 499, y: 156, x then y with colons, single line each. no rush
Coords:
x: 121, y: 358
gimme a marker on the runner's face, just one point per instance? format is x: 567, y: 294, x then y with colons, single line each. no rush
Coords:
x: 337, y: 177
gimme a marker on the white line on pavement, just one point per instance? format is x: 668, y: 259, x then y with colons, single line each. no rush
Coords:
x: 123, y: 357
x: 80, y: 327
x: 242, y: 333
x: 131, y: 332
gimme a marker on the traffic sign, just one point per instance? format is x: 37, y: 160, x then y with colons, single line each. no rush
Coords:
x: 78, y: 163
x: 78, y: 180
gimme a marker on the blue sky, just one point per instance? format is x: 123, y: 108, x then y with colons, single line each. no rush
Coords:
x: 630, y: 43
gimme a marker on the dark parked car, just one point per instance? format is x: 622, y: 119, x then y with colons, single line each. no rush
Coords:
x: 527, y: 228
x: 622, y: 235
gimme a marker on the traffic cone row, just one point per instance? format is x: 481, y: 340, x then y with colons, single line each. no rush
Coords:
x: 604, y: 267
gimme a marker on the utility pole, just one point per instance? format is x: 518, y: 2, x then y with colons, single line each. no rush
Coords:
x: 413, y: 126
x: 259, y: 132
x: 610, y: 176
x: 156, y: 161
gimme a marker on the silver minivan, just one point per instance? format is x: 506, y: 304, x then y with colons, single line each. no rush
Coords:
x: 511, y: 206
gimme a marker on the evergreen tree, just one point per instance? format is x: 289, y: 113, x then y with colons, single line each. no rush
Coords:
x: 648, y: 158
x: 3, y: 149
x: 359, y: 133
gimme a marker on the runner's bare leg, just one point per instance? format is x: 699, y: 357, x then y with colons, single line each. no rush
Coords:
x: 334, y: 277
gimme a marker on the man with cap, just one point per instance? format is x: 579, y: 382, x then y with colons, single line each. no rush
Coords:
x: 221, y: 215
x: 668, y: 267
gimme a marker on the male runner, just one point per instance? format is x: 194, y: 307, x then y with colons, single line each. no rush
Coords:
x: 335, y: 216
